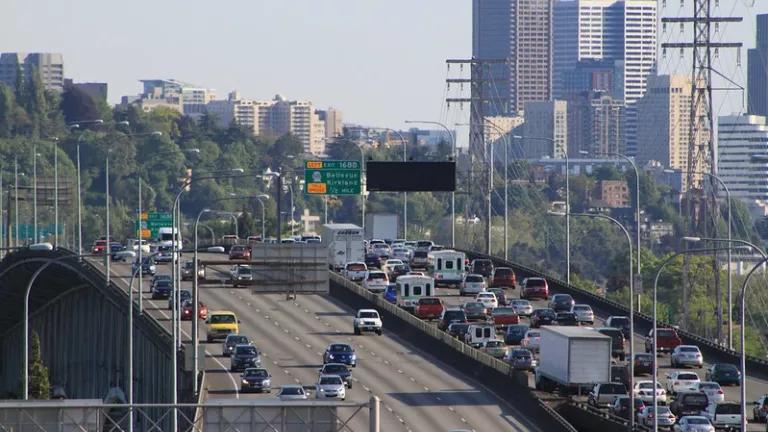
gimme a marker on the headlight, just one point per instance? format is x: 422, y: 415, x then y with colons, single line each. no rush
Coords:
x: 245, y: 381
x: 331, y: 356
x: 266, y: 382
x: 354, y: 357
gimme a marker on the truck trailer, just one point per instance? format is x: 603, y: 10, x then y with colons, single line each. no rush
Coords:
x: 572, y: 359
x: 384, y: 226
x: 344, y: 243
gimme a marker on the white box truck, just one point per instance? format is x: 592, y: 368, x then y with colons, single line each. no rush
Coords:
x: 344, y: 243
x: 572, y: 359
x: 382, y: 226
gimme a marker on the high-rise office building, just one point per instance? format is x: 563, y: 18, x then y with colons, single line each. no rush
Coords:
x: 740, y: 137
x: 333, y: 122
x: 520, y: 32
x: 757, y: 75
x: 586, y: 30
x: 664, y: 121
x: 547, y: 121
x: 606, y: 117
x: 50, y: 66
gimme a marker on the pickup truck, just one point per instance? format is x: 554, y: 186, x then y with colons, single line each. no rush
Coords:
x: 429, y: 308
x: 724, y: 415
x: 666, y: 340
x: 367, y: 320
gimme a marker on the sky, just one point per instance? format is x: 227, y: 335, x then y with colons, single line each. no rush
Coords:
x: 378, y: 61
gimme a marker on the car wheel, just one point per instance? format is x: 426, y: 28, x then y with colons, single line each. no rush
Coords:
x: 379, y: 332
x: 208, y: 339
x: 357, y: 331
x: 349, y: 384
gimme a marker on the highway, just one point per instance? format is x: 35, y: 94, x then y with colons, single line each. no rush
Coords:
x: 418, y: 391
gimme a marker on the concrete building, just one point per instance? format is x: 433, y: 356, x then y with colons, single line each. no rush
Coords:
x: 49, y: 65
x: 640, y: 30
x: 333, y: 122
x: 183, y: 97
x: 545, y: 129
x: 242, y: 112
x: 606, y: 124
x: 664, y: 121
x: 519, y: 31
x: 757, y: 70
x: 610, y: 194
x: 740, y: 137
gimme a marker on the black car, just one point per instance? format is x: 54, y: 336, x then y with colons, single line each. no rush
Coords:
x: 515, y: 333
x: 450, y: 316
x: 161, y: 289
x: 458, y: 330
x: 147, y: 266
x: 644, y: 364
x: 619, y: 322
x: 621, y: 406
x: 566, y: 319
x: 244, y: 356
x: 372, y: 261
x: 724, y: 374
x: 561, y: 302
x: 114, y: 249
x: 540, y: 317
x: 184, y: 296
x: 500, y: 296
x: 338, y: 369
x: 400, y: 270
x: 482, y: 267
x: 475, y: 311
x: 232, y: 340
x: 689, y: 403
x: 255, y: 379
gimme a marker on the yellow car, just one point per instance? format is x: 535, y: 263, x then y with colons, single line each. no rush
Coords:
x: 221, y: 323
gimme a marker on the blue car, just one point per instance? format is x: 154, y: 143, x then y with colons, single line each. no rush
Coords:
x: 390, y: 294
x: 340, y: 353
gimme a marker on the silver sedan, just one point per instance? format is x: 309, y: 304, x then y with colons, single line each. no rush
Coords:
x: 583, y: 313
x: 686, y: 355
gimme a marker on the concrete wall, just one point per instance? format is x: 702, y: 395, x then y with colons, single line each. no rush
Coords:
x: 280, y: 267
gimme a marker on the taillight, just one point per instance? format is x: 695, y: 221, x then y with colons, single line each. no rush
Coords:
x: 719, y: 392
x: 677, y: 382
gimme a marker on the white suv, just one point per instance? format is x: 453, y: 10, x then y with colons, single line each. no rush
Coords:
x: 367, y: 320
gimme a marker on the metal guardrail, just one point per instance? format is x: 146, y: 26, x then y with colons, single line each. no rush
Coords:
x: 756, y: 366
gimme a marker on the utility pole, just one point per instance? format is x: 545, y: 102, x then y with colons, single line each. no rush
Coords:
x: 701, y: 151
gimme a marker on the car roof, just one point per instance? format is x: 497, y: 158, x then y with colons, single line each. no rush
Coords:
x: 368, y: 310
x: 221, y: 312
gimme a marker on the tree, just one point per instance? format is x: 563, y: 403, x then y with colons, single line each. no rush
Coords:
x: 7, y: 111
x: 78, y: 105
x: 39, y: 384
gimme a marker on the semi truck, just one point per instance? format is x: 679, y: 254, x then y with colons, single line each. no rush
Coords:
x: 344, y: 243
x: 384, y: 226
x: 572, y: 359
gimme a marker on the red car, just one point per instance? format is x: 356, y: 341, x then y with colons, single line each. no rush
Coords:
x: 99, y: 246
x: 187, y: 311
x: 504, y: 316
x: 535, y: 287
x: 503, y: 277
x: 240, y: 252
x: 666, y: 340
x: 429, y: 308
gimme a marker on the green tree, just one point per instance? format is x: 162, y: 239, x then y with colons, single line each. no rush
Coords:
x: 7, y: 111
x: 39, y: 384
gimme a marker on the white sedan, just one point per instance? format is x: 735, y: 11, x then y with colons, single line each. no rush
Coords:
x: 330, y: 387
x: 713, y: 391
x: 522, y: 307
x: 472, y: 284
x: 678, y: 381
x: 644, y: 391
x: 488, y: 299
x: 376, y: 281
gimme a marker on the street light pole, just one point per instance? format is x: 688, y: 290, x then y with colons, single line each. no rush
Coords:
x: 405, y: 194
x: 55, y: 192
x: 631, y: 305
x: 743, y: 349
x: 637, y: 216
x: 34, y: 191
x: 16, y: 198
x: 453, y: 154
x: 76, y: 125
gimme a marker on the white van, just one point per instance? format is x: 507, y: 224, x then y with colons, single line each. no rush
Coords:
x: 478, y: 334
x: 447, y: 267
x: 168, y: 236
x: 410, y: 288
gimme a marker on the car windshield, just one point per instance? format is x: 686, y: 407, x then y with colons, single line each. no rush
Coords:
x: 582, y: 308
x: 374, y: 275
x: 549, y: 313
x: 662, y: 410
x: 458, y: 327
x: 619, y: 321
x: 562, y: 298
x: 473, y: 305
x: 330, y: 380
x: 474, y: 278
x: 536, y: 282
x: 696, y: 399
x: 662, y: 333
x: 244, y: 270
x: 237, y: 248
x: 485, y: 296
x: 613, y: 389
x: 429, y: 301
x: 644, y: 357
x: 256, y: 373
x: 165, y: 248
x: 687, y: 376
x: 334, y: 368
x: 533, y: 334
x: 517, y: 329
x: 356, y: 267
x: 502, y: 272
x: 521, y: 353
x: 709, y: 386
x: 648, y: 385
x: 340, y: 348
x: 369, y: 314
x: 423, y: 243
x: 292, y: 391
x: 163, y: 283
x: 726, y: 368
x: 728, y: 408
x: 689, y: 349
x: 222, y: 319
x: 503, y: 311
x: 698, y: 421
x: 237, y: 340
x: 184, y: 295
x: 246, y: 350
x: 419, y: 254
x: 521, y: 303
x: 493, y: 344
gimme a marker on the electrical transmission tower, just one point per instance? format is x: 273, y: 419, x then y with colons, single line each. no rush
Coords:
x: 701, y: 208
x: 485, y: 100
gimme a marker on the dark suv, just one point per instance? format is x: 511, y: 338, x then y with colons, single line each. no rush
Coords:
x: 689, y: 403
x: 617, y: 341
x: 541, y: 317
x: 483, y: 267
x: 561, y: 303
x: 449, y: 316
x: 161, y: 289
x: 244, y: 356
x: 619, y: 322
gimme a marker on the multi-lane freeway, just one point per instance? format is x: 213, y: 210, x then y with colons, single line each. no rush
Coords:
x: 418, y: 391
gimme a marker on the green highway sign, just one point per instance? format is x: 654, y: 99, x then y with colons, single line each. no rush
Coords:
x: 152, y: 222
x: 332, y: 177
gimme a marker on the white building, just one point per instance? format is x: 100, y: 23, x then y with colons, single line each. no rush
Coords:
x: 739, y: 138
x: 548, y: 122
